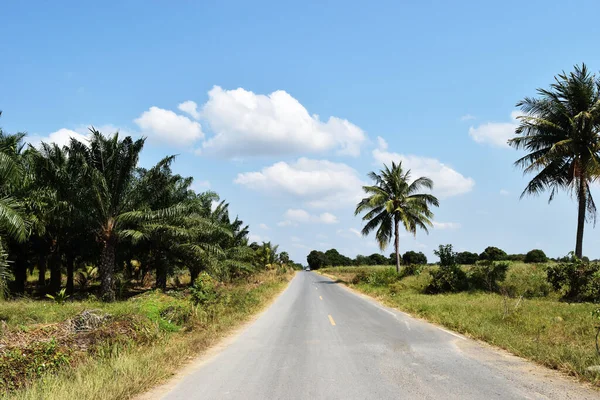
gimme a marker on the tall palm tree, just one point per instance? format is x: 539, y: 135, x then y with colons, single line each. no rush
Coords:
x: 560, y: 132
x: 394, y: 200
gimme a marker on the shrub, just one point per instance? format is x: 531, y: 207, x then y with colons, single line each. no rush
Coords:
x: 449, y: 278
x: 576, y: 280
x: 535, y: 256
x: 204, y: 290
x: 466, y: 258
x: 487, y: 275
x: 382, y: 277
x: 516, y: 257
x: 413, y: 258
x: 360, y: 277
x: 411, y: 269
x: 493, y: 254
x: 527, y: 281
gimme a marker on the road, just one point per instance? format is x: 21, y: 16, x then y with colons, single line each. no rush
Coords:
x: 321, y: 341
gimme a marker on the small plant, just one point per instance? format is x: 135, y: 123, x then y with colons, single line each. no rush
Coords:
x: 60, y: 297
x: 487, y: 275
x: 449, y: 278
x: 86, y: 277
x: 596, y: 316
x: 382, y: 277
x: 446, y: 255
x: 576, y: 280
x: 204, y: 290
x: 360, y: 277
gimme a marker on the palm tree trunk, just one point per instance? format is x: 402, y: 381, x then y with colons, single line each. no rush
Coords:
x: 70, y: 272
x: 41, y: 271
x: 20, y: 268
x: 107, y: 267
x: 397, y: 243
x: 55, y: 273
x: 582, y: 197
x: 161, y: 273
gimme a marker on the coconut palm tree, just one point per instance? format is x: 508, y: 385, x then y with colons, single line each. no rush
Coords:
x: 395, y: 200
x: 560, y: 133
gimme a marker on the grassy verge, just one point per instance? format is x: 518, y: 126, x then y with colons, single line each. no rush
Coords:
x: 164, y: 332
x: 556, y: 334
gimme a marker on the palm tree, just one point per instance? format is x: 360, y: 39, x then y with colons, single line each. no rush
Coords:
x: 560, y: 133
x: 393, y: 200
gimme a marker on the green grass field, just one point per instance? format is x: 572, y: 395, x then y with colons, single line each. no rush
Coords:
x: 556, y: 334
x: 146, y: 339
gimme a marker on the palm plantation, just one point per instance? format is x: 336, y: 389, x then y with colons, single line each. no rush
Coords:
x: 395, y: 200
x: 560, y: 133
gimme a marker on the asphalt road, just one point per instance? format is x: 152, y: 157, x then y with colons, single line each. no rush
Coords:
x: 321, y: 341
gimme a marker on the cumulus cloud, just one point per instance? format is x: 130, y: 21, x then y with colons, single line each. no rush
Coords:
x: 467, y: 117
x: 348, y: 233
x: 264, y: 226
x: 445, y: 225
x: 62, y: 137
x: 504, y: 192
x: 319, y: 183
x: 168, y: 127
x: 249, y: 124
x: 447, y: 181
x: 295, y: 216
x: 496, y: 133
x: 189, y: 107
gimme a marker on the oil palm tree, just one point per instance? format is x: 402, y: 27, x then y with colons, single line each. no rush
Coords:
x: 395, y: 200
x: 560, y: 133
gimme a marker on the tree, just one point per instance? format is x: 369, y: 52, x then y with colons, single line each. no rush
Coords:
x: 466, y: 258
x: 316, y: 259
x: 560, y: 133
x: 535, y: 256
x: 362, y: 260
x: 334, y: 258
x: 492, y: 253
x: 284, y: 257
x: 414, y: 258
x: 378, y: 259
x: 395, y: 200
x: 446, y: 254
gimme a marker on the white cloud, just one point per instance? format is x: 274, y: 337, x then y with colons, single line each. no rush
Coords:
x: 249, y: 124
x: 168, y: 127
x: 496, y: 133
x: 467, y: 117
x: 504, y: 192
x: 355, y: 231
x: 321, y: 236
x: 257, y: 238
x: 189, y: 107
x: 320, y: 183
x: 295, y: 216
x: 264, y: 226
x: 447, y: 181
x: 348, y: 233
x: 381, y: 143
x: 61, y: 137
x: 200, y: 186
x: 445, y: 225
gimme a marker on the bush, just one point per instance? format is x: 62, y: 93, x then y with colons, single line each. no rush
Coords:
x: 449, y: 278
x: 382, y: 277
x: 411, y: 269
x: 360, y: 277
x: 466, y: 258
x: 493, y: 254
x: 413, y: 258
x: 535, y: 256
x: 204, y: 290
x: 576, y: 280
x: 527, y: 281
x: 487, y: 275
x: 516, y: 257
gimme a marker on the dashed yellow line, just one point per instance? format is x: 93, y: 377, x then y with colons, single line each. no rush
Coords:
x: 321, y: 297
x: 331, y: 320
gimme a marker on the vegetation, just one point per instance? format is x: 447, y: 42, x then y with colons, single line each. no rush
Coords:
x: 492, y: 253
x: 520, y: 313
x: 395, y: 199
x: 559, y: 130
x: 413, y: 258
x: 535, y: 256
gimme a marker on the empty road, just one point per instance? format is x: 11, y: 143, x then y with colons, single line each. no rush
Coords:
x: 321, y: 341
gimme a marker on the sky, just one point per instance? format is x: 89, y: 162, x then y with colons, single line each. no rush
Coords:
x: 283, y: 108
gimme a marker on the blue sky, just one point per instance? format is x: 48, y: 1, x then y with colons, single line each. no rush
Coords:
x: 279, y: 108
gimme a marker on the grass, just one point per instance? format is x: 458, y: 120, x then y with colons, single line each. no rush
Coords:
x: 556, y: 334
x: 130, y: 368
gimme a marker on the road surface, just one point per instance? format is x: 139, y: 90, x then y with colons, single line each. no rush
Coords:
x: 321, y: 341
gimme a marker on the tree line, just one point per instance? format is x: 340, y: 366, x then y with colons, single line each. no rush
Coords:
x: 90, y: 205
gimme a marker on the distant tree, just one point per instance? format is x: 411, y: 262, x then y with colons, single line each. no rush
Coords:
x: 414, y: 258
x: 316, y: 259
x: 395, y: 200
x: 446, y: 255
x: 536, y: 256
x: 378, y: 259
x: 515, y: 257
x: 361, y: 260
x: 334, y: 258
x: 560, y: 133
x: 493, y: 254
x: 466, y: 258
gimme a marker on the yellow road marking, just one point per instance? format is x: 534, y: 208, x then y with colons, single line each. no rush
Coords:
x: 331, y: 320
x: 321, y: 297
